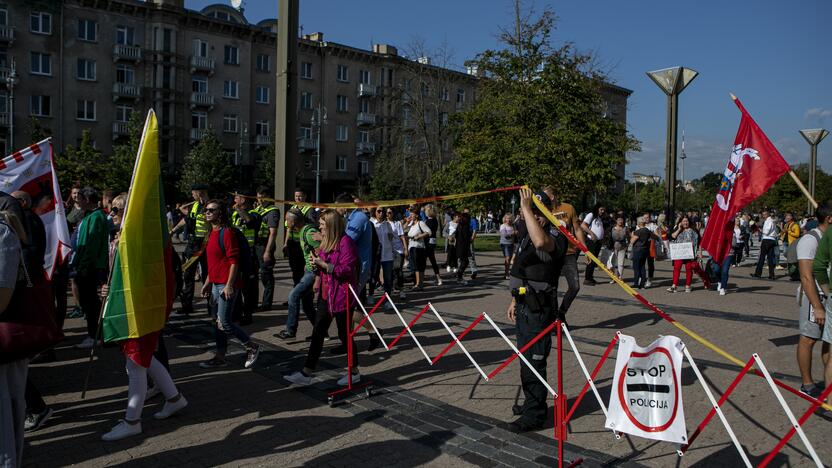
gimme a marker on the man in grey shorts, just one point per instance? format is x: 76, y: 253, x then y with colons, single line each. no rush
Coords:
x: 810, y: 297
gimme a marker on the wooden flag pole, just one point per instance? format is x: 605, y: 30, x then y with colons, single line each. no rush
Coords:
x: 794, y: 176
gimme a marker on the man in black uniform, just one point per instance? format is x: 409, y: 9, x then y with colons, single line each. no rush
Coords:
x: 534, y: 279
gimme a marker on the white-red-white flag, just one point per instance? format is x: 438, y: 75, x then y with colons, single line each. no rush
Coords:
x: 33, y: 171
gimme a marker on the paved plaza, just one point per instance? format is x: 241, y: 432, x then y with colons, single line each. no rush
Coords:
x: 440, y: 415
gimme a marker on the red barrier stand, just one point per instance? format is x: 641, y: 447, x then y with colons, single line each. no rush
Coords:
x: 367, y: 386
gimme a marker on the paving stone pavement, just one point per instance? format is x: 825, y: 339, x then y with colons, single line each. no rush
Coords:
x: 439, y: 415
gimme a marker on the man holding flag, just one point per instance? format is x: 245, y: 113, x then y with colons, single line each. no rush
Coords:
x: 141, y: 289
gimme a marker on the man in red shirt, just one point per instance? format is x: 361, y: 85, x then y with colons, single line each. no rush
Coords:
x: 223, y: 283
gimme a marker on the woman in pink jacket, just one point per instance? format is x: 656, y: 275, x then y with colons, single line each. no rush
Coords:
x: 338, y: 267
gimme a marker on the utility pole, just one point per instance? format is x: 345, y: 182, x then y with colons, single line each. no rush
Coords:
x: 286, y: 99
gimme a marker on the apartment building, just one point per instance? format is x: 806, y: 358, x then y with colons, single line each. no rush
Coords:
x: 78, y: 65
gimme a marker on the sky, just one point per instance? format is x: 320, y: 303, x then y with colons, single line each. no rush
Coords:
x: 772, y: 54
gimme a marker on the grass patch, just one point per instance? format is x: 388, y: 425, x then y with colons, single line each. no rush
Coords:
x: 482, y: 243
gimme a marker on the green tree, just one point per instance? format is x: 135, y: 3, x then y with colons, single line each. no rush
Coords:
x: 83, y: 163
x: 120, y: 165
x: 537, y: 120
x: 206, y: 163
x: 264, y: 167
x: 785, y: 195
x: 37, y: 132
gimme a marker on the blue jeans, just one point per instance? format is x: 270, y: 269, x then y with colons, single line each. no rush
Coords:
x: 639, y: 270
x: 301, y: 293
x: 387, y: 274
x: 223, y: 307
x: 723, y: 271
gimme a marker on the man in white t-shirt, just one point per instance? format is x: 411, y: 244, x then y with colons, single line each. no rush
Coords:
x: 399, y: 244
x: 811, y: 321
x: 385, y: 233
x: 767, y: 245
x: 593, y: 227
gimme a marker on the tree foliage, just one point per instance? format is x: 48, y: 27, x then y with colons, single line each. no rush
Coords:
x: 206, y: 163
x: 264, y: 167
x: 537, y: 120
x: 82, y: 163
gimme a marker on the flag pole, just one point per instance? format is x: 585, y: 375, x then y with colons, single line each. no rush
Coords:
x: 794, y: 176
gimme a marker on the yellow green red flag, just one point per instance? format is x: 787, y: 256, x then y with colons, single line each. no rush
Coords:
x: 141, y: 280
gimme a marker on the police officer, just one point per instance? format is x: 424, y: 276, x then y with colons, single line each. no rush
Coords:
x: 291, y: 242
x: 245, y: 218
x: 267, y: 242
x: 197, y: 230
x: 534, y: 279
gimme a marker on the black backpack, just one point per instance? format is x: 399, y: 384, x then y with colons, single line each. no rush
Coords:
x: 246, y: 266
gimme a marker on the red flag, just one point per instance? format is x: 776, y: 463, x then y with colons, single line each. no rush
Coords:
x: 754, y: 166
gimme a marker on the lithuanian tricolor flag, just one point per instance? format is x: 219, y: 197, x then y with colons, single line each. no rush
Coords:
x: 141, y: 281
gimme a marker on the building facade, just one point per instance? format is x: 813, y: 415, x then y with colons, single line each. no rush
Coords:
x: 77, y: 65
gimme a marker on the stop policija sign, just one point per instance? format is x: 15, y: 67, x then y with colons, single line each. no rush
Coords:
x: 646, y: 399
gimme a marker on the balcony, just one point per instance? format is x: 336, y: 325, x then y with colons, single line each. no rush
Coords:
x: 127, y: 52
x: 6, y: 34
x: 4, y: 118
x: 203, y: 64
x: 202, y: 100
x: 4, y: 75
x: 365, y: 118
x: 120, y: 129
x: 262, y: 140
x: 126, y: 90
x: 366, y: 90
x: 306, y: 145
x: 365, y: 147
x: 198, y: 133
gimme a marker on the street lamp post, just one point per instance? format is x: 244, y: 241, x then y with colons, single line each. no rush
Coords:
x: 11, y: 80
x: 813, y: 136
x: 672, y: 81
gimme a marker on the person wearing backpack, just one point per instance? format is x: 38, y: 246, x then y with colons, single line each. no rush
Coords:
x: 226, y: 254
x: 301, y: 294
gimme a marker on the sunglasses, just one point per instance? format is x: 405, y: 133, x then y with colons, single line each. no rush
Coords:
x: 210, y: 210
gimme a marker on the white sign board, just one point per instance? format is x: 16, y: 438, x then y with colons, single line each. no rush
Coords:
x: 681, y: 251
x: 646, y: 397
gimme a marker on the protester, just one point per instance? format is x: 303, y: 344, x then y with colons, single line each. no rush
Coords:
x: 89, y: 261
x: 291, y: 243
x: 653, y: 250
x: 593, y: 227
x: 245, y: 218
x: 302, y: 293
x: 375, y: 262
x: 507, y: 237
x: 812, y: 299
x: 338, y: 266
x: 197, y: 228
x: 620, y: 236
x: 767, y: 244
x: 266, y: 243
x: 474, y: 227
x: 451, y: 263
x: 565, y: 213
x: 738, y: 242
x: 463, y: 246
x: 417, y: 234
x: 223, y: 283
x: 640, y: 243
x: 684, y: 233
x: 399, y: 250
x: 430, y: 246
x: 386, y: 237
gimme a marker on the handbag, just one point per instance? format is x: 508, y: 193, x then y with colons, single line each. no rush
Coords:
x: 27, y: 326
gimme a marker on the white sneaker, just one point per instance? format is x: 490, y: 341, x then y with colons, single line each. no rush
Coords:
x: 687, y: 289
x: 86, y: 344
x: 171, y: 408
x: 438, y: 281
x: 647, y: 284
x: 448, y: 269
x: 298, y: 378
x: 456, y: 270
x: 721, y: 292
x: 122, y: 430
x: 355, y: 379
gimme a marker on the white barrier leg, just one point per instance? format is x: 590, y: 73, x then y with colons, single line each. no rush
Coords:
x: 459, y: 343
x: 716, y: 408
x: 788, y: 411
x: 520, y: 355
x: 396, y: 309
x: 370, y: 319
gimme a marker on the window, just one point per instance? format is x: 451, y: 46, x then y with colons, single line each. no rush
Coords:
x: 444, y: 95
x: 229, y: 89
x: 364, y: 77
x: 199, y: 120
x: 427, y: 117
x: 342, y: 103
x: 4, y: 20
x: 407, y: 142
x: 124, y: 35
x: 443, y: 118
x: 363, y: 105
x: 200, y: 48
x: 199, y: 84
x: 261, y: 128
x: 262, y: 95
x: 305, y: 132
x: 342, y: 133
x: 407, y: 84
x: 306, y: 70
x: 364, y: 167
x: 364, y: 136
x: 406, y: 116
x: 41, y: 106
x: 460, y: 97
x: 85, y: 110
x: 87, y: 30
x: 343, y: 74
x: 167, y: 77
x: 41, y: 63
x: 264, y: 63
x: 167, y: 40
x: 306, y: 100
x: 424, y: 89
x: 40, y: 23
x: 232, y: 55
x: 342, y: 163
x: 86, y: 69
x: 125, y: 74
x: 123, y: 113
x: 229, y: 123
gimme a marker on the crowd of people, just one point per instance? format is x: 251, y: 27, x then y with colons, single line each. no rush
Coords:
x: 230, y: 248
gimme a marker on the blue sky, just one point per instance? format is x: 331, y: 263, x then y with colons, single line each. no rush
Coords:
x: 774, y: 55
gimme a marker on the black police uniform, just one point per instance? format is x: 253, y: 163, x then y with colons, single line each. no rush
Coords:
x: 534, y: 279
